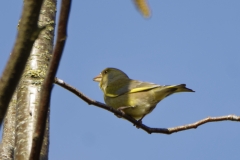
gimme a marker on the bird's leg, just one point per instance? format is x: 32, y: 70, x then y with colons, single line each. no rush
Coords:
x: 121, y: 109
x: 139, y: 121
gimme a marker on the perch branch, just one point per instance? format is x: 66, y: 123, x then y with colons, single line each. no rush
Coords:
x: 137, y: 123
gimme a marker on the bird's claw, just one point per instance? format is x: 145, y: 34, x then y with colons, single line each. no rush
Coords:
x: 121, y: 110
x: 139, y: 122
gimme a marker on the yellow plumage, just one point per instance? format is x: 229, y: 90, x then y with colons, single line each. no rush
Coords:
x: 135, y: 98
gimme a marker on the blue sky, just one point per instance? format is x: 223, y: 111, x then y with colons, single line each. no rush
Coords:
x: 192, y: 42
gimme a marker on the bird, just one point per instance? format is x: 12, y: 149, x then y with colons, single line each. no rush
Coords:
x: 132, y: 97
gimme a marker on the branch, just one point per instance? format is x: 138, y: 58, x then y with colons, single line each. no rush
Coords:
x: 28, y: 32
x: 142, y: 6
x: 137, y: 123
x: 9, y: 129
x: 38, y: 133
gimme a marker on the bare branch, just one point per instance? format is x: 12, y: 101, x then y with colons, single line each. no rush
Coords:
x: 142, y: 6
x: 28, y: 32
x: 137, y: 123
x: 9, y: 129
x: 29, y: 87
x: 48, y: 82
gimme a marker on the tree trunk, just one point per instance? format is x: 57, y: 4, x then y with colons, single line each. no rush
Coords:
x: 17, y: 140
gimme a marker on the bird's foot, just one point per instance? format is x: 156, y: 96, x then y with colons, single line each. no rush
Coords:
x: 121, y: 110
x: 139, y: 122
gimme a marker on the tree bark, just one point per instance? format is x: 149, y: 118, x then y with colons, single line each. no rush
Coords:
x: 29, y: 88
x: 8, y: 138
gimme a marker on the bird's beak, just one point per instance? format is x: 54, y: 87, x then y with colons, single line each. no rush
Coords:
x: 98, y: 78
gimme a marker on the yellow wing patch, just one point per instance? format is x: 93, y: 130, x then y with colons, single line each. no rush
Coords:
x: 141, y: 89
x: 111, y: 95
x: 134, y: 90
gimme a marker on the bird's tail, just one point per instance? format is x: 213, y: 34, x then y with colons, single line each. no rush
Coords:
x: 180, y: 88
x: 164, y: 91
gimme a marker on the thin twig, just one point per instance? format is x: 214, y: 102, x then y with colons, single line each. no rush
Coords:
x: 48, y: 82
x: 140, y: 125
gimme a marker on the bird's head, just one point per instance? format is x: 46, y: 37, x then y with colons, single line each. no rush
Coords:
x: 110, y: 76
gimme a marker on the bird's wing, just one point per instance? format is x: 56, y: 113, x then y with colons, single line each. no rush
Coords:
x: 136, y: 86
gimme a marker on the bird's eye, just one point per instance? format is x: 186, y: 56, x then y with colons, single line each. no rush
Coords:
x: 105, y: 72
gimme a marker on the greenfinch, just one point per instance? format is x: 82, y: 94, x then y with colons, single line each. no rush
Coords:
x: 132, y: 97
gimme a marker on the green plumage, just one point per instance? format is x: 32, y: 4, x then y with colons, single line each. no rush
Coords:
x: 133, y: 97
